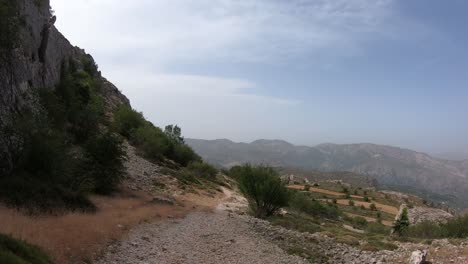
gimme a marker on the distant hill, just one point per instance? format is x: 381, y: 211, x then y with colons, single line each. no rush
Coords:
x: 452, y: 155
x: 395, y: 168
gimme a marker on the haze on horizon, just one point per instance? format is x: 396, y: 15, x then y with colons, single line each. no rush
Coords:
x: 390, y: 72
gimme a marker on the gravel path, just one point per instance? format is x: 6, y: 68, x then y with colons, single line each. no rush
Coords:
x: 201, y: 237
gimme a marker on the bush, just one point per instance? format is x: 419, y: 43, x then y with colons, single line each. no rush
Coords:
x: 373, y: 207
x: 425, y: 229
x: 401, y: 225
x: 377, y: 228
x: 263, y: 189
x: 14, y: 251
x: 151, y: 141
x: 182, y: 154
x: 351, y: 203
x: 359, y: 221
x: 103, y: 164
x: 456, y: 227
x: 303, y: 203
x: 127, y: 120
x: 203, y: 170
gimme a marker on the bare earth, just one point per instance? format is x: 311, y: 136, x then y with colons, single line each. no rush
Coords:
x: 201, y: 237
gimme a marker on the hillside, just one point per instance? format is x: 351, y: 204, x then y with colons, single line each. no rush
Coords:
x: 395, y: 168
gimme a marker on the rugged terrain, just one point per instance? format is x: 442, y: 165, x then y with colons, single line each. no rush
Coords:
x: 396, y: 168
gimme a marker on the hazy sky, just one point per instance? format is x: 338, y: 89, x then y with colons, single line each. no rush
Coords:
x: 382, y: 71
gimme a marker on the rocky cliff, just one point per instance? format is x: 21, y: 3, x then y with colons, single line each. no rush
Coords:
x: 32, y: 55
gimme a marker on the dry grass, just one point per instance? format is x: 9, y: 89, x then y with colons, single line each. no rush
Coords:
x: 371, y: 219
x: 324, y: 191
x: 74, y: 237
x: 381, y: 207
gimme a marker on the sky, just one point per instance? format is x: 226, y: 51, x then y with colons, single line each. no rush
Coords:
x: 391, y: 72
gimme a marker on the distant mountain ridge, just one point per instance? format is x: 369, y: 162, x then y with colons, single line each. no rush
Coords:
x: 397, y: 168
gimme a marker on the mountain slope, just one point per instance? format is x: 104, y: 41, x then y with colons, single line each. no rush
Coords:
x: 402, y: 169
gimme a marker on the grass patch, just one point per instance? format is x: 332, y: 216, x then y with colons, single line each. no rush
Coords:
x: 14, y: 251
x: 297, y: 222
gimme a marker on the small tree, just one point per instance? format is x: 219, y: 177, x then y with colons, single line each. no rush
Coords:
x: 351, y: 203
x: 373, y: 207
x: 401, y: 224
x: 263, y: 188
x: 174, y: 133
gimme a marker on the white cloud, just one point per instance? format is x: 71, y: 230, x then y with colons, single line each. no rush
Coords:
x: 206, y: 107
x: 166, y: 31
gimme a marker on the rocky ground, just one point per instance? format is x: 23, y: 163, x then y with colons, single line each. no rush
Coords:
x: 201, y: 237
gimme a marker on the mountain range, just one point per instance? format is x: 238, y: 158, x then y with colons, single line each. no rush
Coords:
x: 395, y: 168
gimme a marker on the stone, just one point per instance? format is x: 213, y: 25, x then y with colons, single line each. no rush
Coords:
x: 163, y: 200
x: 418, y: 257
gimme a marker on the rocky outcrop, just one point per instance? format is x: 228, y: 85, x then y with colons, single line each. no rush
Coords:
x: 418, y: 257
x: 420, y: 214
x: 36, y: 59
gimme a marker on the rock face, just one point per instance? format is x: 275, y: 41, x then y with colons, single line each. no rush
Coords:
x: 36, y: 59
x: 32, y: 54
x: 420, y: 214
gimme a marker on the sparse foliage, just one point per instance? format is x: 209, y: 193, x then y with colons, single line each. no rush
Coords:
x: 263, y: 188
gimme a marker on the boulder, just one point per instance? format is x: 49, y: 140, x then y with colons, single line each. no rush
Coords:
x: 418, y: 257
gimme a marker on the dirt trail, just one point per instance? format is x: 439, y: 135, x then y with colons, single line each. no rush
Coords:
x: 201, y: 237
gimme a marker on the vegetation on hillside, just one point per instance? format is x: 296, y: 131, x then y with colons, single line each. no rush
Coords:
x: 453, y: 228
x: 152, y: 142
x: 14, y: 251
x: 62, y: 152
x: 262, y: 187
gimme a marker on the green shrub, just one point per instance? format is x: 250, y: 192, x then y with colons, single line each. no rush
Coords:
x: 182, y: 153
x: 377, y: 228
x: 303, y: 203
x: 373, y: 207
x: 103, y: 164
x: 359, y: 221
x: 263, y: 189
x: 14, y: 251
x: 425, y: 229
x: 351, y: 203
x: 202, y: 169
x: 151, y: 141
x: 41, y: 169
x: 401, y: 225
x: 456, y: 227
x: 127, y: 120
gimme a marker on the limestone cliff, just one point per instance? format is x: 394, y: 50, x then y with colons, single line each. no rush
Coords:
x: 36, y: 57
x: 32, y: 55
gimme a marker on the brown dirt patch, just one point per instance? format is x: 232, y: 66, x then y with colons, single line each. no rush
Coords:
x: 381, y: 207
x: 74, y: 237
